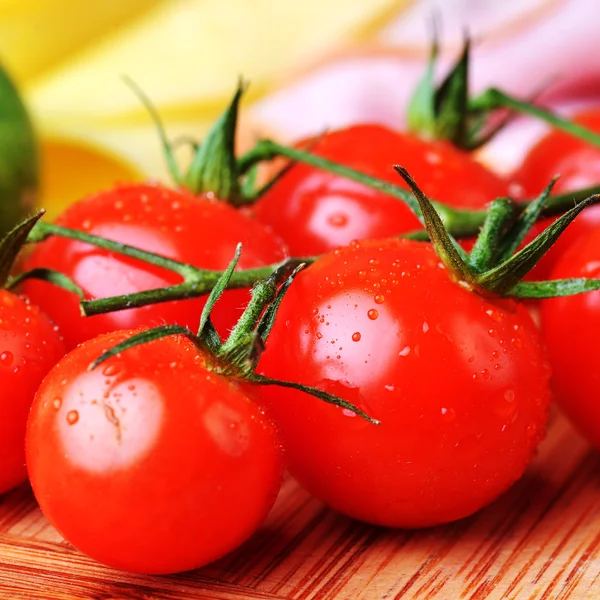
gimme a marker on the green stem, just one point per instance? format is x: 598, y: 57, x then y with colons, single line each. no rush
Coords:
x: 493, y: 99
x: 197, y: 282
x: 460, y: 223
x: 201, y: 282
x: 267, y: 150
x: 501, y: 212
x: 43, y: 230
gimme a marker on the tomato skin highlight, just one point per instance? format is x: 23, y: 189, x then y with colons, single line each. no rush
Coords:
x: 578, y: 164
x: 150, y: 463
x: 571, y: 326
x: 314, y: 211
x: 459, y: 383
x: 30, y: 346
x: 197, y: 230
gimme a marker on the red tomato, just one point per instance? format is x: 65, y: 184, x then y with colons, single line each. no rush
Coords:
x: 578, y: 164
x: 571, y: 328
x: 459, y: 382
x: 150, y: 463
x: 29, y: 347
x: 315, y: 211
x: 196, y: 230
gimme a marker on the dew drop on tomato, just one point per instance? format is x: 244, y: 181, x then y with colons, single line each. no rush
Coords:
x: 6, y: 358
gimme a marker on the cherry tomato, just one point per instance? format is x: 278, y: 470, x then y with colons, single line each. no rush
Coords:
x: 150, y: 463
x: 196, y: 230
x: 571, y: 326
x: 315, y: 211
x: 30, y: 346
x: 578, y: 164
x: 459, y: 383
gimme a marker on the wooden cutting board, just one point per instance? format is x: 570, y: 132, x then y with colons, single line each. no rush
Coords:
x: 539, y: 541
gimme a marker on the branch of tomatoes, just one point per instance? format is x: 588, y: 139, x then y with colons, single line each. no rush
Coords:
x: 197, y: 282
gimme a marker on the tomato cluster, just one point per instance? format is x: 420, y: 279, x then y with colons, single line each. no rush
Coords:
x: 165, y: 457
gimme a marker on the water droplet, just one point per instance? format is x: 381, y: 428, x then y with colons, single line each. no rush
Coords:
x: 315, y: 311
x: 57, y: 403
x: 531, y: 431
x: 72, y: 417
x: 485, y: 373
x: 425, y: 327
x: 390, y: 388
x: 509, y: 395
x: 356, y: 336
x: 405, y: 351
x: 319, y: 335
x: 379, y: 298
x: 373, y: 261
x: 348, y: 413
x: 372, y: 314
x: 448, y: 413
x: 338, y: 220
x: 111, y: 370
x: 6, y: 358
x: 492, y: 332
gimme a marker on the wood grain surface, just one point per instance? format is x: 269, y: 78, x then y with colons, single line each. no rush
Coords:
x: 539, y: 541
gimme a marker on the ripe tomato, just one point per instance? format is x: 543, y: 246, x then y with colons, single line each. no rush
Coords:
x: 315, y: 211
x: 29, y: 347
x: 196, y: 230
x: 578, y: 164
x: 150, y: 463
x: 459, y: 383
x: 571, y: 326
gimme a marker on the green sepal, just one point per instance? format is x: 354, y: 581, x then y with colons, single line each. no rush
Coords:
x: 11, y: 245
x: 443, y: 112
x: 522, y: 226
x: 421, y: 114
x: 206, y: 330
x: 500, y: 213
x: 160, y: 128
x: 268, y: 319
x: 451, y: 103
x: 505, y: 276
x: 50, y: 275
x: 446, y: 247
x: 248, y: 188
x: 214, y: 167
x: 317, y: 393
x: 246, y: 342
x: 144, y: 337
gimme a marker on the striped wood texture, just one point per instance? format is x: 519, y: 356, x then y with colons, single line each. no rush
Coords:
x: 539, y: 541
